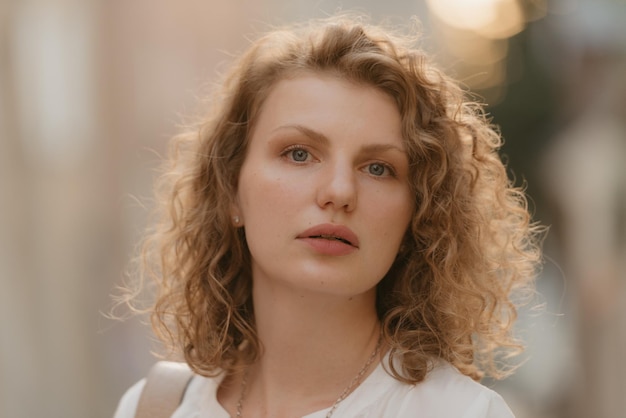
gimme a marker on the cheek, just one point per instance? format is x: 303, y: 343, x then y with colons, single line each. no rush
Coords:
x: 391, y: 214
x: 265, y: 195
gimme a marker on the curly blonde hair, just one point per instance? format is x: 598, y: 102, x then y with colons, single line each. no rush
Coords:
x: 469, y: 247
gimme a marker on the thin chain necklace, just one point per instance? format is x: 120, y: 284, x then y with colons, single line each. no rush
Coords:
x: 353, y: 383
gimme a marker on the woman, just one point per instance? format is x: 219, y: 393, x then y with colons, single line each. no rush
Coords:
x: 339, y: 238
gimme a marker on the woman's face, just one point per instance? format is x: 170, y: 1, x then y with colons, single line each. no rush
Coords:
x: 324, y: 193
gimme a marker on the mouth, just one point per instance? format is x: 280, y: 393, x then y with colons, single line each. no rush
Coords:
x: 333, y: 233
x: 332, y: 238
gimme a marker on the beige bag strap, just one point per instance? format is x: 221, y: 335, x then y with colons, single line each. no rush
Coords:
x: 164, y: 390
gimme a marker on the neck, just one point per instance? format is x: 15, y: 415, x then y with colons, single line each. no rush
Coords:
x: 313, y: 347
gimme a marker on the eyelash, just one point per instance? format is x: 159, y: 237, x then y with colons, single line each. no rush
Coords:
x: 290, y: 149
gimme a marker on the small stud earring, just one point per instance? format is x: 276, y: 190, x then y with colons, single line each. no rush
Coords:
x: 236, y: 220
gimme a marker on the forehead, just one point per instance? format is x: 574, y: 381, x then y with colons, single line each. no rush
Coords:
x: 328, y: 101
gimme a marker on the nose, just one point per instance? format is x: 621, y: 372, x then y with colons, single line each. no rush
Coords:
x: 337, y: 187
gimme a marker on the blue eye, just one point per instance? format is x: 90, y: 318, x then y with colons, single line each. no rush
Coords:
x: 377, y: 169
x: 299, y: 155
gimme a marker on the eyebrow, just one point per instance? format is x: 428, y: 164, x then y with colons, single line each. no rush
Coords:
x: 323, y: 139
x: 316, y: 136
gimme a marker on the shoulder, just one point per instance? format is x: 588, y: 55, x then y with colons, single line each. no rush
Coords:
x: 128, y: 403
x: 446, y: 392
x: 161, y: 392
x: 199, y: 395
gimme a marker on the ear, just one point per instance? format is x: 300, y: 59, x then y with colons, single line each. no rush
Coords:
x: 235, y: 214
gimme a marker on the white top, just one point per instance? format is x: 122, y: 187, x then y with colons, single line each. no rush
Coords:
x: 445, y: 393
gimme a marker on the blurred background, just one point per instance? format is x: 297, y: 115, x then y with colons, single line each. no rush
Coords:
x: 91, y: 90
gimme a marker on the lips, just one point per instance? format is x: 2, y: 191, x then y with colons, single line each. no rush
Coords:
x: 331, y: 232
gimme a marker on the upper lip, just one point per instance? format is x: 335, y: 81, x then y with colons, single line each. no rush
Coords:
x: 340, y: 232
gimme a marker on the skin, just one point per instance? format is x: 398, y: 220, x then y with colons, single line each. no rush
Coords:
x: 323, y: 151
